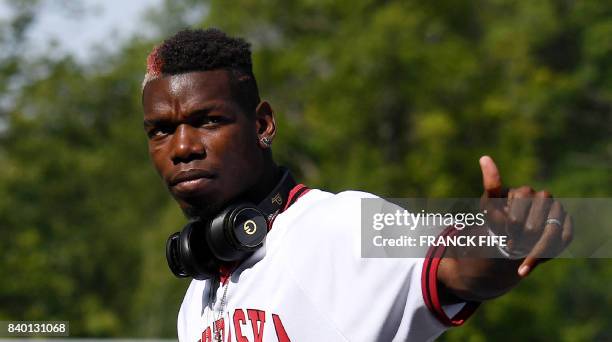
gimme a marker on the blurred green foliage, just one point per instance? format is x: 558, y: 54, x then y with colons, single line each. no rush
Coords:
x: 398, y: 98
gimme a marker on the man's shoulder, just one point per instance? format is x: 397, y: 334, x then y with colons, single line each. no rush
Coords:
x: 321, y: 217
x: 321, y: 200
x: 320, y: 209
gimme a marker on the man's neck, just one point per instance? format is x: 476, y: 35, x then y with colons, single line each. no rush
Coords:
x: 271, y: 176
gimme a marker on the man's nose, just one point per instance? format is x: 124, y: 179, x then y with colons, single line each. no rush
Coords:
x: 187, y: 145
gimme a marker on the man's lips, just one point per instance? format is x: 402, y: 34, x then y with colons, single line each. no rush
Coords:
x: 190, y: 181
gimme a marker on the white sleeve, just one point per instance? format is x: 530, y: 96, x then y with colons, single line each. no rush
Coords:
x: 366, y: 299
x: 187, y: 328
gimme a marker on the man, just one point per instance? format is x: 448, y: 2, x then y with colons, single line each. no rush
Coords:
x: 210, y: 138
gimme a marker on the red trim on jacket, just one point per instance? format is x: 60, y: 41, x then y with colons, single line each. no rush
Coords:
x: 299, y: 191
x: 429, y: 286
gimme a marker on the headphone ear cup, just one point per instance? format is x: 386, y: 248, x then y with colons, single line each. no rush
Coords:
x: 173, y: 256
x: 196, y: 257
x: 237, y: 231
x: 200, y: 249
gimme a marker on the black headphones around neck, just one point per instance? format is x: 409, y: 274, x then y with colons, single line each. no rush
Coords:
x: 203, y: 247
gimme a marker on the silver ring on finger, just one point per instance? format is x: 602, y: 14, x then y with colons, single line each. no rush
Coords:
x: 554, y: 221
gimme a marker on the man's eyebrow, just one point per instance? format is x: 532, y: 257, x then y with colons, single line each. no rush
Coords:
x: 205, y: 109
x: 154, y: 122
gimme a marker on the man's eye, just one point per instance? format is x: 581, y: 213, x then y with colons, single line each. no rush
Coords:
x: 159, y: 132
x: 212, y: 120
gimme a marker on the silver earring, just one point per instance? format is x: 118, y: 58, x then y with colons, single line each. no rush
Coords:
x: 266, y: 141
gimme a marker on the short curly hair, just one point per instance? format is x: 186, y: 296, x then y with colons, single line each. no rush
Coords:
x: 203, y: 50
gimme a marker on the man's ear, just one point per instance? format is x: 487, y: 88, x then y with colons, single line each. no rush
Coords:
x: 265, y: 124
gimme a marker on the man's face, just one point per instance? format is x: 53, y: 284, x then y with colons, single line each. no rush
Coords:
x: 202, y: 143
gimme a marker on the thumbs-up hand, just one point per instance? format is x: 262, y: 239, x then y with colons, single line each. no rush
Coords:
x: 536, y: 225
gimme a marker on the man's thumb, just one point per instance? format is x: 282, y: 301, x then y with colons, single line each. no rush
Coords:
x: 491, y: 180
